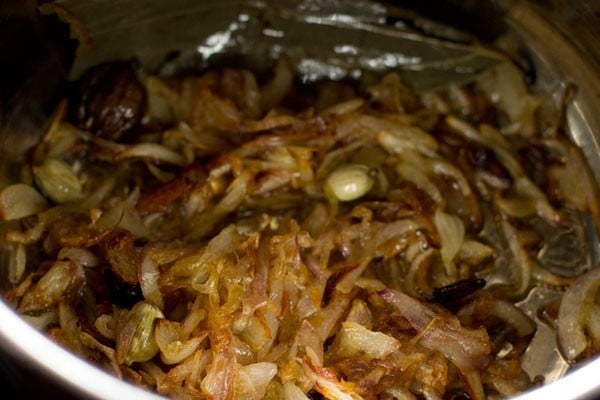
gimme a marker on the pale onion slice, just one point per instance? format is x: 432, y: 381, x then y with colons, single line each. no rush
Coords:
x: 442, y: 167
x: 106, y: 325
x: 594, y: 325
x: 17, y: 264
x: 20, y: 200
x: 534, y: 198
x: 356, y: 340
x: 149, y: 275
x: 400, y: 393
x: 293, y: 392
x: 160, y: 100
x: 403, y: 139
x: 309, y: 341
x: 276, y: 89
x: 252, y: 380
x: 473, y: 252
x: 522, y: 264
x: 255, y: 334
x: 452, y: 233
x: 344, y: 107
x: 505, y: 86
x: 152, y: 151
x: 28, y: 236
x: 79, y: 256
x: 576, y: 307
x: 416, y: 176
x: 43, y: 320
x: 110, y: 353
x: 270, y: 121
x: 219, y: 381
x: 173, y: 350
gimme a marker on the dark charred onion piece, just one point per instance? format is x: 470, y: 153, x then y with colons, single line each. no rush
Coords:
x: 451, y: 295
x: 329, y: 291
x: 163, y: 196
x: 534, y: 161
x: 121, y: 293
x: 109, y: 100
x: 485, y: 159
x: 122, y: 256
x: 74, y: 231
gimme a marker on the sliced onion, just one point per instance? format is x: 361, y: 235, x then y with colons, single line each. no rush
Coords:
x: 502, y: 309
x: 42, y: 320
x: 576, y: 307
x: 452, y: 233
x: 253, y: 379
x: 521, y: 264
x: 573, y: 180
x: 110, y: 353
x: 16, y: 268
x: 29, y: 236
x: 204, y: 222
x: 106, y: 325
x: 527, y: 189
x: 400, y: 141
x: 79, y: 256
x: 474, y: 252
x: 172, y: 349
x: 293, y: 392
x: 356, y: 340
x: 468, y: 349
x: 270, y: 121
x: 221, y: 374
x: 416, y: 176
x: 504, y: 85
x: 256, y: 334
x: 400, y: 393
x: 309, y: 341
x: 344, y: 107
x: 152, y: 151
x: 148, y: 276
x: 442, y: 167
x: 276, y: 89
x: 49, y: 290
x: 327, y: 383
x: 594, y: 326
x: 160, y: 100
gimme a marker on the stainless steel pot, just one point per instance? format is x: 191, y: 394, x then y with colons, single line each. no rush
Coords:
x: 560, y: 39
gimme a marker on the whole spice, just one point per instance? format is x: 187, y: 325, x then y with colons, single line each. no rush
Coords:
x: 109, y: 100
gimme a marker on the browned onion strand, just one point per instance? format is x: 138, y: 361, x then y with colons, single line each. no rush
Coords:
x: 254, y: 240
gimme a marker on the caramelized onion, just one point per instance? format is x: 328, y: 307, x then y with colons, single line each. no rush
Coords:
x: 275, y: 241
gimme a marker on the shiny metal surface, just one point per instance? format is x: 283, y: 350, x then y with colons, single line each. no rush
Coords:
x: 560, y: 37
